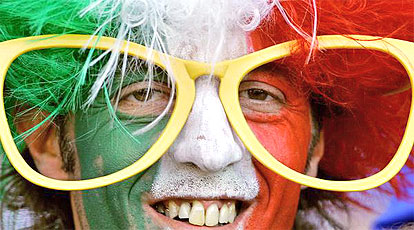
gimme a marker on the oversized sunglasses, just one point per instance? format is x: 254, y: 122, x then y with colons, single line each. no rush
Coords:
x: 185, y: 72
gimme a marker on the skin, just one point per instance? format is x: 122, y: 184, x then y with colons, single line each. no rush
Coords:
x: 215, y: 154
x: 120, y: 205
x: 285, y: 133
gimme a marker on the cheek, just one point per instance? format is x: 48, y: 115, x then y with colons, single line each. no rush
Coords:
x: 105, y: 147
x: 286, y: 139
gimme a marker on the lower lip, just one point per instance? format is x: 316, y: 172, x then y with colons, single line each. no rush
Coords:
x: 175, y: 224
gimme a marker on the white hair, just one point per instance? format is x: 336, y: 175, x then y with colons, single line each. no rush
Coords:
x: 173, y: 26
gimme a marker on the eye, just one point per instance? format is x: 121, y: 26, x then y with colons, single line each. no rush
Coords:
x: 257, y: 96
x: 144, y: 98
x: 143, y: 95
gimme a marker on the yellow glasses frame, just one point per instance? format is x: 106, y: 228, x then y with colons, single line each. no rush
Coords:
x: 230, y: 73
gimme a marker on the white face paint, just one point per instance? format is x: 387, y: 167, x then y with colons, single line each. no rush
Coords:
x: 207, y: 164
x: 207, y: 140
x: 207, y: 160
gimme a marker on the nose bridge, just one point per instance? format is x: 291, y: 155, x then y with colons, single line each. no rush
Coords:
x: 207, y: 140
x: 200, y: 69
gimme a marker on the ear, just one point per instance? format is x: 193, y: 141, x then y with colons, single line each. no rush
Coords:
x: 43, y: 143
x: 316, y: 157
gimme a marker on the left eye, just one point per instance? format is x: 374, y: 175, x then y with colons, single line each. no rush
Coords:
x: 260, y: 97
x: 257, y: 94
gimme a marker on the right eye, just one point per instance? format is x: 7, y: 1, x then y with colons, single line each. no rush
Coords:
x: 144, y: 95
x: 144, y: 98
x: 140, y: 95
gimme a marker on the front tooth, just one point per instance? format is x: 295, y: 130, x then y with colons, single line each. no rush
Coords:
x: 212, y: 215
x: 184, y: 210
x: 224, y: 214
x: 232, y: 212
x: 173, y: 209
x: 197, y: 214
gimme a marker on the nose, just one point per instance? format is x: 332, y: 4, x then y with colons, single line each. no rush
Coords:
x: 207, y: 139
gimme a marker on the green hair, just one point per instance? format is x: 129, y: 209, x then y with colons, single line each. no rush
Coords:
x: 56, y: 81
x: 52, y: 80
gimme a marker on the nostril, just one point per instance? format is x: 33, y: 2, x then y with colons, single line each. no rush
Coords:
x: 190, y: 165
x: 201, y: 137
x: 201, y: 167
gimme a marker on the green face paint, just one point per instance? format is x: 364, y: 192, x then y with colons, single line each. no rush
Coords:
x: 105, y: 146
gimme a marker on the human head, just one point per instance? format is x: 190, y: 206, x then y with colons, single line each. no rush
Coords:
x: 236, y: 156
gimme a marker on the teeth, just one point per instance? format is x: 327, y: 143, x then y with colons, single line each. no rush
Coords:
x: 197, y: 214
x: 184, y: 210
x: 173, y: 209
x: 212, y: 215
x: 232, y: 212
x: 160, y: 208
x: 224, y: 214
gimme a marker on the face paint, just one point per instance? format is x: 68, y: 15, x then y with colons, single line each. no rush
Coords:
x: 286, y: 135
x: 179, y: 175
x: 103, y: 147
x: 126, y: 204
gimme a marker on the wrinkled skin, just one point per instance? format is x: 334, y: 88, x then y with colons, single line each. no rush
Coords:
x: 286, y: 134
x: 207, y: 154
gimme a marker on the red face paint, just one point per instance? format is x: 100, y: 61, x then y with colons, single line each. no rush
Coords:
x: 286, y: 135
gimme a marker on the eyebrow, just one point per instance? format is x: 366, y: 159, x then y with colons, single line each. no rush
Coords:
x: 277, y: 67
x: 282, y: 70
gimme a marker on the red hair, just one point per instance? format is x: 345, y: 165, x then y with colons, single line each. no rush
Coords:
x: 357, y: 118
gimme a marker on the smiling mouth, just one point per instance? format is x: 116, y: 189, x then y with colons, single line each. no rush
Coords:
x: 200, y: 212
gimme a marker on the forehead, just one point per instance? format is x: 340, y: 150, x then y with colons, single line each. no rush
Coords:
x: 207, y: 31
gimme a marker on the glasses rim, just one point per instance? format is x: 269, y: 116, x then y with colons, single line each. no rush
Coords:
x: 185, y: 72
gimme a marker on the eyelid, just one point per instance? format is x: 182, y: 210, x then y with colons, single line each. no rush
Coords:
x: 272, y: 90
x: 154, y: 85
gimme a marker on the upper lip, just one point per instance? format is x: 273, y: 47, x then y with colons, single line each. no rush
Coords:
x: 150, y: 200
x: 242, y: 215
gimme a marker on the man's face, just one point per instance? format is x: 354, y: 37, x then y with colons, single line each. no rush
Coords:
x: 206, y: 171
x: 207, y: 177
